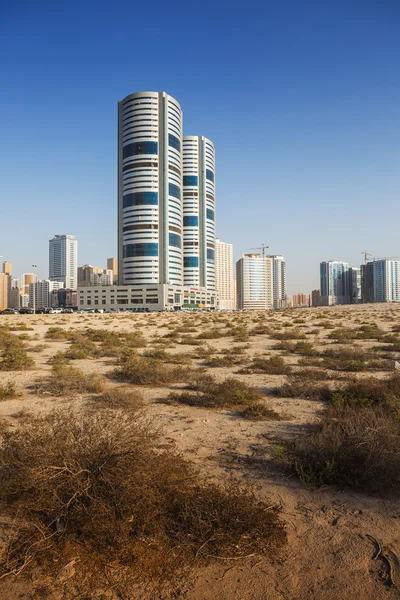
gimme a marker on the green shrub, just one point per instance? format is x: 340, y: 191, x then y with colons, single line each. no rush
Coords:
x: 8, y: 391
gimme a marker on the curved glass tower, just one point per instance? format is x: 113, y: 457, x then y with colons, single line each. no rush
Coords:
x: 199, y: 212
x: 150, y: 248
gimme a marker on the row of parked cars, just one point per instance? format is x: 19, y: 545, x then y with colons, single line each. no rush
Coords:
x: 38, y: 311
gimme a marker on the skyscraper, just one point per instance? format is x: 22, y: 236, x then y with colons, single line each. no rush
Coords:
x: 278, y: 280
x: 63, y: 260
x: 334, y: 282
x: 199, y: 212
x: 354, y: 275
x: 150, y: 216
x: 112, y: 264
x: 254, y: 282
x: 224, y: 274
x: 386, y: 280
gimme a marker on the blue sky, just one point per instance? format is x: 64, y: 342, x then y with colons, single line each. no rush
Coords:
x: 300, y: 98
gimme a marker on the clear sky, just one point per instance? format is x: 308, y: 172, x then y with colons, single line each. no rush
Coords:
x: 301, y: 99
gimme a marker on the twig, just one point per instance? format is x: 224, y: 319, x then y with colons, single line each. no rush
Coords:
x: 390, y: 570
x: 378, y: 546
x: 230, y: 557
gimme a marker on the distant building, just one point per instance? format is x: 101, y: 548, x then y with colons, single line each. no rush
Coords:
x: 7, y: 268
x: 15, y: 294
x: 386, y: 280
x: 5, y: 287
x: 254, y: 282
x: 334, y: 282
x: 42, y: 290
x: 367, y: 282
x: 26, y: 279
x: 316, y: 298
x: 300, y: 300
x: 278, y: 280
x: 288, y: 301
x: 224, y: 274
x: 64, y: 298
x: 112, y: 264
x: 63, y: 260
x: 354, y: 283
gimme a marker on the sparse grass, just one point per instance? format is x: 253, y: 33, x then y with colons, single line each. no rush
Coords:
x: 57, y: 333
x: 101, y: 489
x: 293, y: 334
x: 306, y: 383
x: 275, y: 365
x: 178, y: 358
x: 230, y: 393
x: 8, y: 391
x: 15, y: 358
x: 142, y: 370
x: 119, y: 398
x: 346, y: 359
x: 261, y: 412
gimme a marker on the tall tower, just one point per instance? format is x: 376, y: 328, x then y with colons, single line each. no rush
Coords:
x: 279, y: 280
x: 199, y: 211
x: 254, y: 282
x: 150, y: 190
x: 224, y: 274
x: 334, y: 281
x: 63, y: 260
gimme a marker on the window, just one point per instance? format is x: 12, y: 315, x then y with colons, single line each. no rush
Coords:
x: 191, y: 261
x: 139, y: 165
x: 151, y: 300
x: 210, y: 214
x: 191, y: 221
x: 210, y: 254
x: 147, y: 249
x: 140, y: 198
x: 190, y: 180
x: 139, y: 148
x: 174, y: 191
x: 209, y: 175
x: 174, y: 142
x: 140, y: 227
x: 175, y: 169
x: 175, y: 240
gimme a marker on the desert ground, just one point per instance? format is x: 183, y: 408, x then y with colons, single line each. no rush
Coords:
x: 343, y: 539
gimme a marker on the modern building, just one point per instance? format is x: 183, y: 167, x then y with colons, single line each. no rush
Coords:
x: 64, y: 298
x: 254, y: 282
x: 7, y: 268
x: 300, y: 300
x: 26, y: 279
x: 156, y: 297
x: 354, y: 284
x: 85, y: 274
x: 5, y: 287
x: 334, y: 282
x: 150, y: 216
x: 112, y: 264
x: 367, y: 282
x: 42, y: 290
x: 198, y: 212
x: 225, y: 283
x: 386, y: 280
x: 316, y: 298
x: 15, y: 294
x: 63, y: 260
x: 278, y: 280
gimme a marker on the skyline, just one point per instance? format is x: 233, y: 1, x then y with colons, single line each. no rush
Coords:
x: 316, y: 179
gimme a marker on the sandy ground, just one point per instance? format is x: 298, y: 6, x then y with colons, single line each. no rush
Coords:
x: 329, y: 555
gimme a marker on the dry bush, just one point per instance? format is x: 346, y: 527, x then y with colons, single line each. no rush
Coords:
x: 20, y: 327
x: 57, y: 333
x: 261, y: 412
x: 285, y: 346
x: 211, y: 334
x: 8, y: 391
x: 37, y: 348
x: 306, y: 383
x: 275, y: 365
x: 230, y: 393
x: 142, y: 370
x: 119, y: 398
x: 65, y: 380
x: 14, y: 356
x: 293, y: 334
x: 100, y: 489
x: 204, y: 352
x: 175, y: 359
x: 222, y: 361
x: 358, y: 447
x: 81, y: 349
x: 346, y: 359
x: 305, y: 349
x: 371, y: 391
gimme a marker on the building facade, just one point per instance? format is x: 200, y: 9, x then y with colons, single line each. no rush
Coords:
x: 112, y: 265
x: 198, y: 212
x: 354, y: 283
x: 26, y: 279
x: 63, y: 260
x: 42, y: 290
x: 225, y: 283
x: 254, y: 282
x: 150, y: 216
x: 334, y: 282
x: 278, y: 280
x: 5, y: 288
x: 300, y: 300
x: 386, y: 280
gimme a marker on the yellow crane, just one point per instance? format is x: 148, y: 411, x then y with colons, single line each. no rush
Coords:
x: 262, y: 248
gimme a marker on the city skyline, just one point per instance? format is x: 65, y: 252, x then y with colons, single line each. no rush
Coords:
x: 325, y: 105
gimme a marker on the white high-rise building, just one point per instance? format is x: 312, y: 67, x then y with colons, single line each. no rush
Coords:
x: 334, y: 282
x: 254, y: 282
x: 42, y: 290
x: 386, y: 280
x: 63, y: 260
x: 278, y: 280
x: 150, y: 215
x: 199, y: 212
x: 224, y: 274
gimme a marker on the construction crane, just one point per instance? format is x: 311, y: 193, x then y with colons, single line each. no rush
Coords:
x: 262, y: 248
x: 366, y: 254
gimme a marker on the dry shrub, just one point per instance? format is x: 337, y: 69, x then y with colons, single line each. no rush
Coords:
x: 211, y: 334
x: 142, y: 370
x: 306, y: 383
x: 230, y: 393
x: 305, y: 349
x: 57, y: 333
x: 8, y: 391
x: 261, y: 412
x: 13, y: 353
x: 293, y: 334
x: 222, y: 361
x: 119, y: 398
x: 371, y: 391
x: 358, y: 447
x: 81, y: 349
x: 65, y: 380
x: 179, y: 358
x: 346, y: 359
x: 275, y: 365
x: 100, y: 489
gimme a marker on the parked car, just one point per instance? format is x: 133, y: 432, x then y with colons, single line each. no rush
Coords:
x: 10, y: 311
